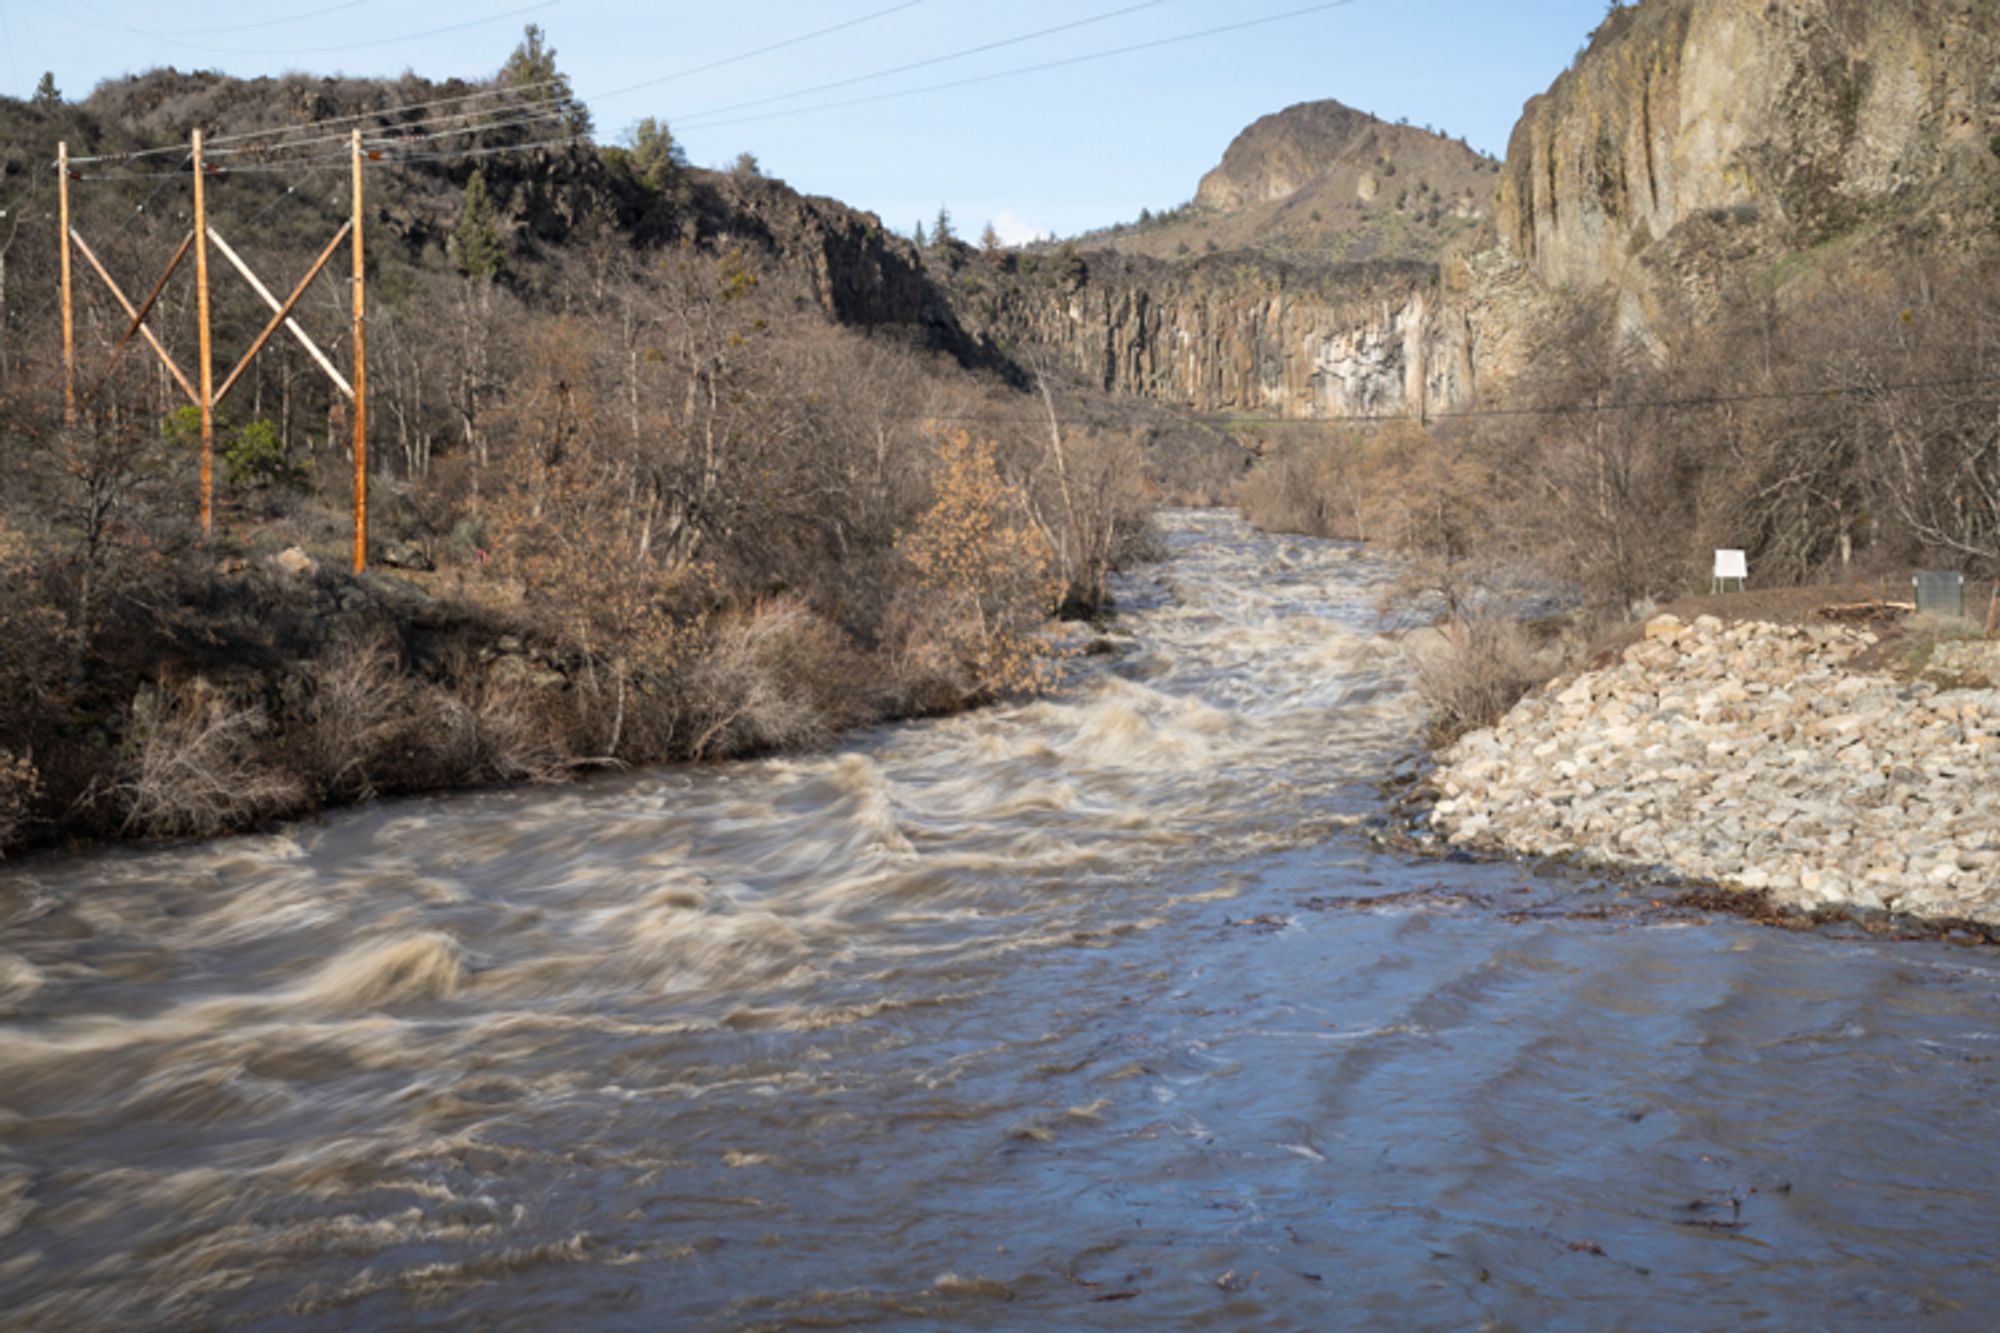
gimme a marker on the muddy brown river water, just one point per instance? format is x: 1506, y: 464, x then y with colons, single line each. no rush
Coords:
x: 1097, y: 1012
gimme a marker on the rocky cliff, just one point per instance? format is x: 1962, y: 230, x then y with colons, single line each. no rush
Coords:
x: 1233, y: 333
x: 1695, y: 135
x: 1316, y: 143
x: 1303, y: 281
x: 1696, y: 145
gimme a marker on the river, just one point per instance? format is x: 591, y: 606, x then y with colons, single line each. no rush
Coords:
x: 1101, y: 1011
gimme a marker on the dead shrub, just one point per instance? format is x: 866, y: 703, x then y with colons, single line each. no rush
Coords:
x: 773, y: 677
x: 1305, y: 483
x: 363, y: 717
x: 196, y: 766
x: 36, y: 644
x: 1472, y: 669
x: 492, y: 726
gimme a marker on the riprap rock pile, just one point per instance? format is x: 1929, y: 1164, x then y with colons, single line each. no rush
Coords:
x: 1751, y: 755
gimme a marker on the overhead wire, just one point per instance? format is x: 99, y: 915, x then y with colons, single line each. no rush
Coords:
x: 217, y: 142
x: 475, y: 122
x: 893, y: 70
x: 789, y: 42
x: 485, y: 94
x: 48, y: 303
x: 578, y: 103
x: 289, y: 144
x: 1020, y: 71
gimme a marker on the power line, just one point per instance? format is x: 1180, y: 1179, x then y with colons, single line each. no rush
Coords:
x: 918, y: 64
x: 449, y: 155
x: 164, y: 34
x: 425, y: 130
x: 689, y: 72
x: 762, y: 50
x: 287, y: 165
x: 348, y: 119
x: 326, y: 122
x: 1031, y: 69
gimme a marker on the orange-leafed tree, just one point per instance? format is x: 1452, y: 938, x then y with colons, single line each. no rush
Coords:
x: 982, y: 584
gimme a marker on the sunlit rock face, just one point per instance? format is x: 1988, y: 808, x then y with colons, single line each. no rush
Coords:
x: 1741, y: 128
x: 1244, y: 335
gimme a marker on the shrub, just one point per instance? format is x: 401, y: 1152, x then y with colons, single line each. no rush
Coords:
x: 19, y: 784
x: 980, y: 585
x: 253, y: 455
x: 774, y: 676
x: 194, y: 766
x: 1472, y: 670
x: 363, y: 710
x: 491, y: 726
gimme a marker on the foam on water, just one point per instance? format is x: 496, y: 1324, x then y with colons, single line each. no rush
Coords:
x: 1045, y: 1015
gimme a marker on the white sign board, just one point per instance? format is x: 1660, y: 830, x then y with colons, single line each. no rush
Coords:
x: 1732, y: 565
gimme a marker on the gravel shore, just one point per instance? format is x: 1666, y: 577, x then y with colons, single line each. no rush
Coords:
x: 1755, y: 756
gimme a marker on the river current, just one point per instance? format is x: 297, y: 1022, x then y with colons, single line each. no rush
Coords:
x: 1101, y: 1011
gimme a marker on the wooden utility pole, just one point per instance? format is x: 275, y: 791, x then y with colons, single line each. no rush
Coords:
x: 68, y: 309
x: 206, y: 351
x: 201, y: 389
x: 360, y: 375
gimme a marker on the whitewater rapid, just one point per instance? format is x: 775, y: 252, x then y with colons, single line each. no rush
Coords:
x: 1097, y: 1010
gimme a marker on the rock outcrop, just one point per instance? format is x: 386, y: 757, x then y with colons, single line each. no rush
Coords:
x: 1236, y: 333
x: 1319, y: 143
x: 1322, y: 183
x: 1696, y: 145
x: 1754, y: 756
x: 1698, y: 134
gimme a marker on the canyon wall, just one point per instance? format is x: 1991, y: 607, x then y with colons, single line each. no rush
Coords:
x: 1737, y: 130
x: 1697, y: 146
x: 1235, y: 334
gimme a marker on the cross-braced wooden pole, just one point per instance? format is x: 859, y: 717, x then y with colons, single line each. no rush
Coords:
x: 206, y: 352
x: 360, y: 375
x: 68, y: 309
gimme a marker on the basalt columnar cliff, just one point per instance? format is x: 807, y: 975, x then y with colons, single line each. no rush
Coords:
x: 1696, y: 145
x: 1231, y: 333
x: 1302, y: 282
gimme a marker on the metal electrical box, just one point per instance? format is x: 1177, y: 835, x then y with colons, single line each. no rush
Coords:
x: 1940, y: 593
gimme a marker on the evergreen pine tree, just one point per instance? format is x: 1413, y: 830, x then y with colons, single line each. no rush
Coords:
x: 942, y: 234
x: 47, y: 96
x: 477, y: 246
x: 657, y: 157
x: 531, y: 69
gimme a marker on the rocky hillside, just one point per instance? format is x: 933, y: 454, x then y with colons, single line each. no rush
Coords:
x: 1323, y: 182
x: 550, y: 203
x: 1698, y: 138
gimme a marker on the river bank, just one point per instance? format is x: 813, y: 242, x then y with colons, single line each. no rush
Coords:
x: 1767, y: 759
x: 1069, y: 1013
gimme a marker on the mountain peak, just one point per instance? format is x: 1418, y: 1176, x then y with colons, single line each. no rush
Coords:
x: 1281, y: 154
x: 1324, y: 182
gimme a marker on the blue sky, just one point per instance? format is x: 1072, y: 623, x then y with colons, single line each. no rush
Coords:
x: 1062, y: 149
